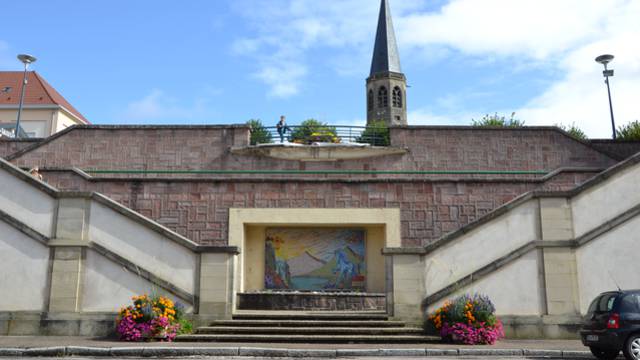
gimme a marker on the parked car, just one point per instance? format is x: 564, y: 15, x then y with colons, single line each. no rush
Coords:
x: 613, y: 324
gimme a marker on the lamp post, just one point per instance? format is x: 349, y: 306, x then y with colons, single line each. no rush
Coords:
x: 605, y: 60
x: 26, y: 60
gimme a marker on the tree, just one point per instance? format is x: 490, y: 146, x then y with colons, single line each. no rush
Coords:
x: 574, y: 131
x: 498, y: 121
x: 312, y: 130
x: 259, y: 134
x: 376, y: 134
x: 631, y: 131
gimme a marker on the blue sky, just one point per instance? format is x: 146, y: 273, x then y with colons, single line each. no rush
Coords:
x: 221, y: 62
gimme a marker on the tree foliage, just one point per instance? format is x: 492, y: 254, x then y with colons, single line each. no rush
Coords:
x: 259, y: 134
x: 376, y: 134
x: 574, y: 131
x: 312, y: 130
x: 631, y: 131
x: 496, y: 120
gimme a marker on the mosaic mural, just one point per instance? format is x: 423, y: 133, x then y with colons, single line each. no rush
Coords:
x: 319, y: 259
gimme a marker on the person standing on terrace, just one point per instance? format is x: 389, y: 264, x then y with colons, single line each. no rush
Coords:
x: 282, y: 128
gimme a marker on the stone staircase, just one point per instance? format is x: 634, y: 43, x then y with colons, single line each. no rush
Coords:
x: 309, y: 327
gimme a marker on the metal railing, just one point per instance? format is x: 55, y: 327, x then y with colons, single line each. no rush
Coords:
x: 310, y: 135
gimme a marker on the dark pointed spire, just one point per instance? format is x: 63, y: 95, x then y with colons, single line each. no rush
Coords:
x: 385, y: 53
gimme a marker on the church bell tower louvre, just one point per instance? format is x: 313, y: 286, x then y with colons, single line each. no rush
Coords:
x: 386, y: 84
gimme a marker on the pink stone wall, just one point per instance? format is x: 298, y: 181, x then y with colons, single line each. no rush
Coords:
x: 207, y: 148
x: 197, y: 206
x: 9, y: 146
x: 199, y: 209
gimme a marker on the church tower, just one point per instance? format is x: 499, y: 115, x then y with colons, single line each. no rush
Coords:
x: 386, y: 85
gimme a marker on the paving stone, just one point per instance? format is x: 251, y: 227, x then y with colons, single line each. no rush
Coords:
x: 164, y: 352
x: 403, y: 352
x: 358, y: 352
x: 571, y: 354
x: 441, y: 352
x: 490, y: 352
x: 127, y: 351
x: 265, y: 352
x: 45, y: 351
x: 543, y: 353
x: 314, y: 353
x: 11, y: 352
x: 87, y: 351
x: 212, y: 351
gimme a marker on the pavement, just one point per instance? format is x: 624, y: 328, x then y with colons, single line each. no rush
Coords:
x: 29, y: 346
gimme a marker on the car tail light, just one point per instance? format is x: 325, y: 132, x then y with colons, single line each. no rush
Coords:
x: 613, y: 322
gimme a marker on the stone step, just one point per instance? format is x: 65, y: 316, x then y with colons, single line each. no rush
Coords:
x: 328, y: 339
x: 310, y: 330
x: 309, y: 323
x: 311, y: 315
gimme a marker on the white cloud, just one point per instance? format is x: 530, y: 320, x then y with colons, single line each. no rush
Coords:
x: 533, y: 28
x: 554, y: 36
x: 283, y: 79
x: 160, y: 107
x: 562, y: 36
x: 286, y: 30
x: 422, y: 116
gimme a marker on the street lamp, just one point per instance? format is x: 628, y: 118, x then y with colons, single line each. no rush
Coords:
x: 605, y: 60
x: 26, y: 60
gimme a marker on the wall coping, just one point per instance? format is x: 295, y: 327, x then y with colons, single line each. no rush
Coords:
x: 62, y: 133
x: 23, y: 228
x: 536, y: 194
x: 515, y: 178
x: 132, y: 267
x: 113, y: 205
x: 586, y: 143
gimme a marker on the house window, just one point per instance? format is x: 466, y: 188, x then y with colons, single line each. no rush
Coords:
x: 397, y: 97
x: 370, y: 100
x: 383, y: 97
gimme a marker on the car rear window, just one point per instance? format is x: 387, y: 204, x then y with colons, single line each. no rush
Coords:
x: 630, y: 303
x: 603, y: 303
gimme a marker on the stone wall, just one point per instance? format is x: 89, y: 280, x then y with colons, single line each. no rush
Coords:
x: 198, y: 209
x: 432, y: 204
x: 208, y: 148
x: 68, y: 254
x: 10, y: 146
x: 618, y: 149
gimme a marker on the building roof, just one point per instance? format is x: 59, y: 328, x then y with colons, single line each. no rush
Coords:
x: 386, y: 57
x: 38, y: 92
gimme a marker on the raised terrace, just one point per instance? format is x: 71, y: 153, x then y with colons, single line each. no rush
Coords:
x: 188, y: 177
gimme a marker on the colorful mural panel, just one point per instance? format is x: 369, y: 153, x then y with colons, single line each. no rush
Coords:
x: 318, y: 259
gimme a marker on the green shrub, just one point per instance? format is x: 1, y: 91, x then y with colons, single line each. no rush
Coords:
x: 631, y: 131
x: 376, y: 134
x: 312, y: 130
x: 498, y: 121
x: 574, y: 131
x: 259, y: 134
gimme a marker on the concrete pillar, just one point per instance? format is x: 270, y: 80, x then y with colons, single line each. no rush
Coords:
x: 66, y: 279
x: 408, y: 286
x: 216, y: 279
x: 68, y: 255
x: 560, y: 270
x: 72, y: 223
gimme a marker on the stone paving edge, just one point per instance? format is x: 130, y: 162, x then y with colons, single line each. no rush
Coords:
x: 159, y: 352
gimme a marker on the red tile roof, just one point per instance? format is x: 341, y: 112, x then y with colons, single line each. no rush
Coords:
x: 39, y: 92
